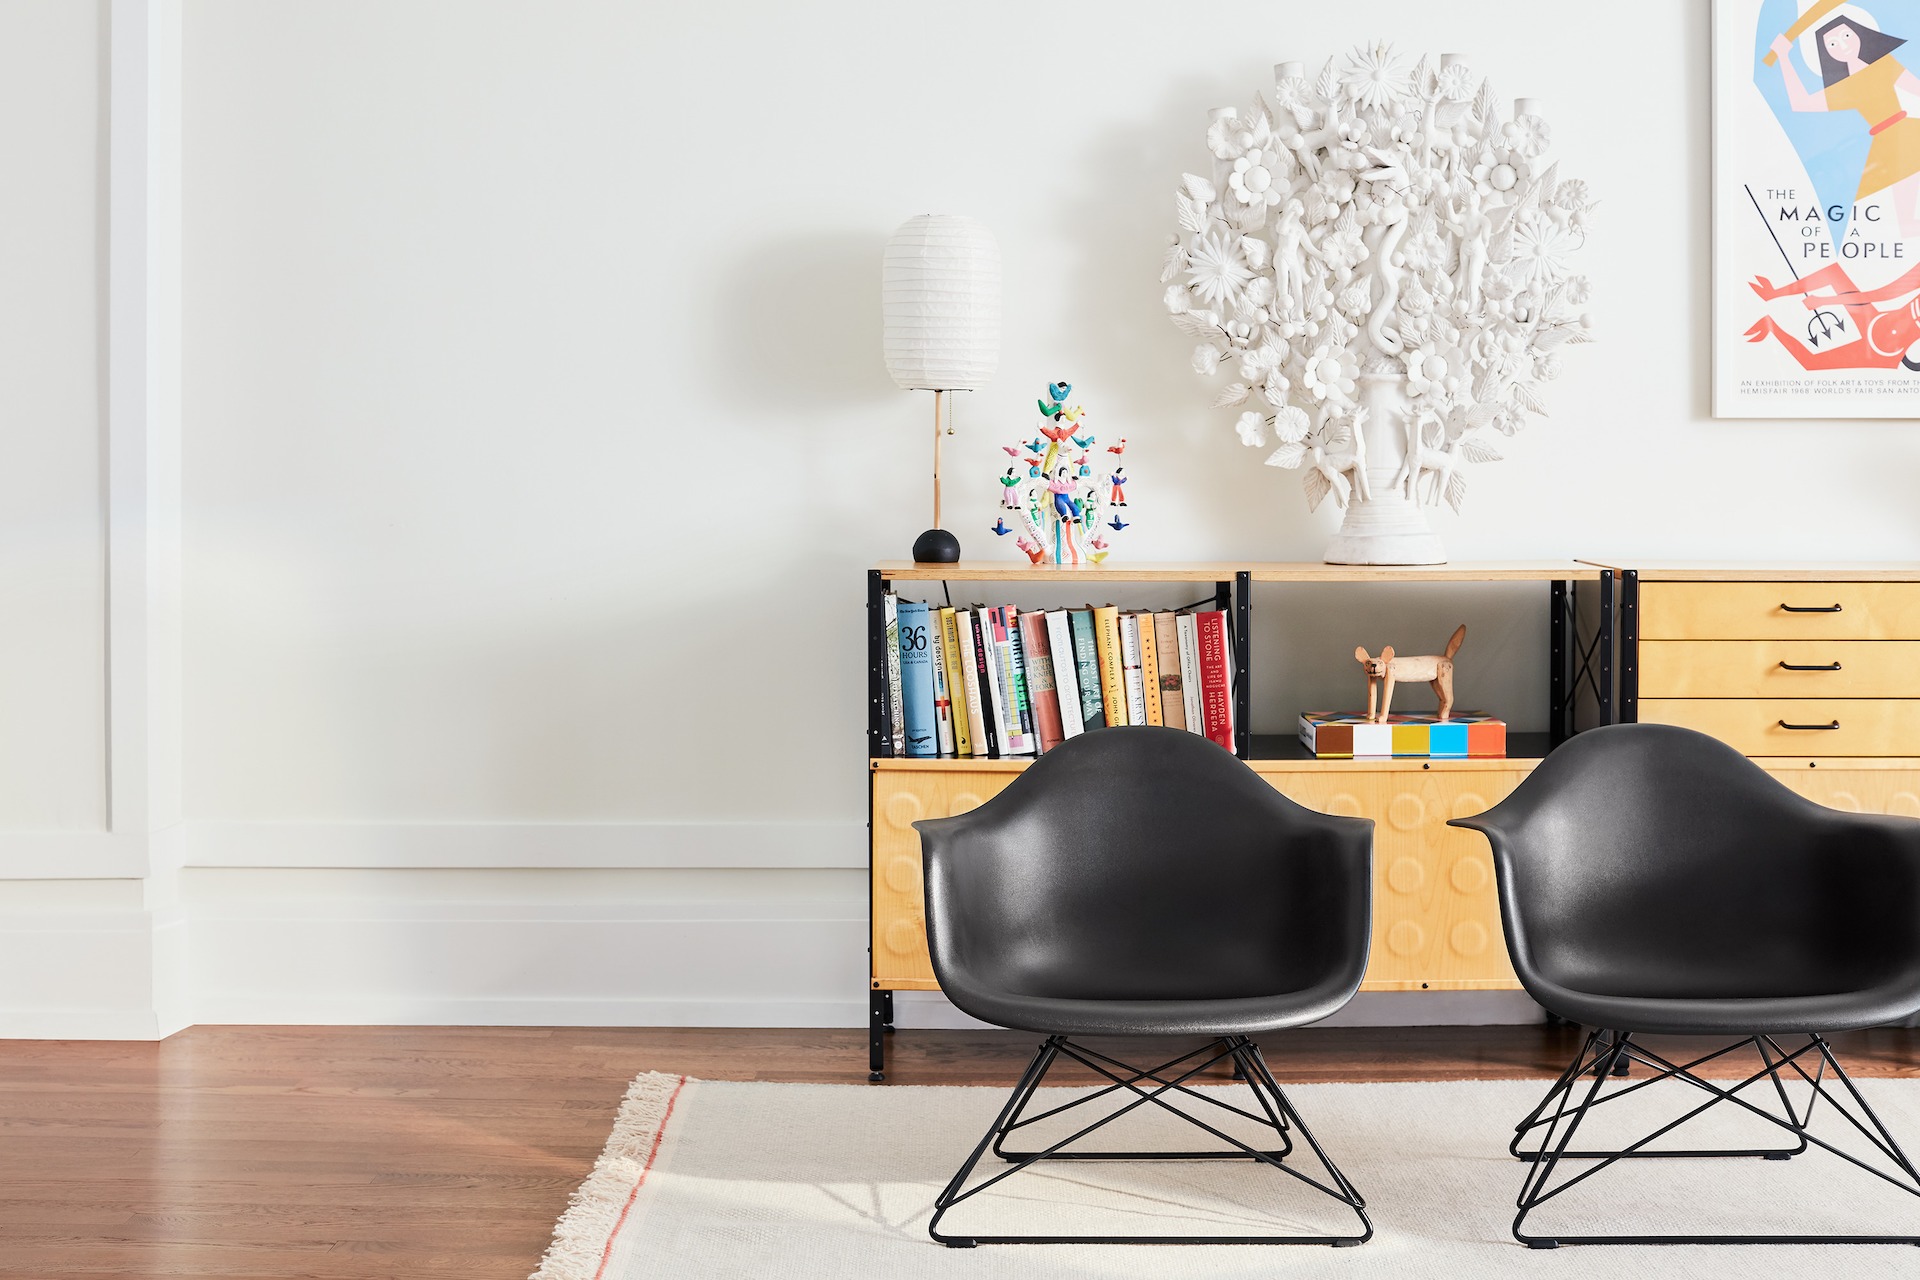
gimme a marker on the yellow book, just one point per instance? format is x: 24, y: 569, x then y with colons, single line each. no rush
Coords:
x: 956, y: 686
x: 1150, y: 669
x: 1113, y: 678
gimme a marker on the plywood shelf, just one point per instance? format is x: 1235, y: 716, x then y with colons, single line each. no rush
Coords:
x: 1270, y: 752
x: 1224, y: 571
x: 1765, y: 571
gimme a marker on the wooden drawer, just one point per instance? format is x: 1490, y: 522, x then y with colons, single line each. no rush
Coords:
x: 1764, y: 610
x: 901, y: 797
x: 1436, y: 915
x: 1880, y: 727
x: 1880, y: 790
x: 1752, y: 669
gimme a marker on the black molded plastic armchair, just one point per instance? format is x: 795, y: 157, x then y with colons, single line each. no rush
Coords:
x: 1141, y: 881
x: 1653, y: 880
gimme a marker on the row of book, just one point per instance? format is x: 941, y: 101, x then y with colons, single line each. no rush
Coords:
x: 999, y: 681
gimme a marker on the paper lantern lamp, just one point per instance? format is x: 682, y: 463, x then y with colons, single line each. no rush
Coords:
x: 940, y: 296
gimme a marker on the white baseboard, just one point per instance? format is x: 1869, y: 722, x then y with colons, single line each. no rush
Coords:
x: 77, y: 975
x: 662, y: 963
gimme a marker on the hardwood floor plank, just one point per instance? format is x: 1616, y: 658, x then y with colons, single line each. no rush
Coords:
x: 339, y: 1153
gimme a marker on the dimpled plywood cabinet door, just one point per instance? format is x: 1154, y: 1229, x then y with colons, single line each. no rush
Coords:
x: 1890, y: 787
x: 1436, y: 916
x: 902, y: 795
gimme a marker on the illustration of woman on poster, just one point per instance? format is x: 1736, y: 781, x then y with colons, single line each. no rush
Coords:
x: 1859, y: 73
x: 1859, y: 76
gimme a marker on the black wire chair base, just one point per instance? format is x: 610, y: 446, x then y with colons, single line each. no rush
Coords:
x: 1596, y: 1063
x: 1151, y: 1085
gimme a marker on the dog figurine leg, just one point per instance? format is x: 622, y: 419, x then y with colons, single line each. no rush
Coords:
x: 1443, y: 690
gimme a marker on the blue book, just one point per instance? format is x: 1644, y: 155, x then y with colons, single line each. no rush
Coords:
x: 1086, y: 665
x: 916, y: 679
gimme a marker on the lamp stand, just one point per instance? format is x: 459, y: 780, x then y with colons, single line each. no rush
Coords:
x: 936, y: 545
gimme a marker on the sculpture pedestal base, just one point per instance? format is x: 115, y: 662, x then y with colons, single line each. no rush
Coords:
x: 1385, y: 529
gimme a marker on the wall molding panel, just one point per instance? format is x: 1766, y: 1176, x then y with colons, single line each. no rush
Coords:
x: 558, y: 845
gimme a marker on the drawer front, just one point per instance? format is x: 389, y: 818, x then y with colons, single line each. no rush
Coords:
x: 900, y: 799
x: 1874, y: 727
x: 1780, y: 669
x: 1436, y: 916
x: 1894, y: 791
x: 1774, y: 610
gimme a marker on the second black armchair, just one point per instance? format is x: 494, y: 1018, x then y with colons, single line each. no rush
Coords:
x: 1654, y: 881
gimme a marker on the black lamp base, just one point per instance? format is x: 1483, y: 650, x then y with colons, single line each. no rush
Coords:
x: 936, y: 546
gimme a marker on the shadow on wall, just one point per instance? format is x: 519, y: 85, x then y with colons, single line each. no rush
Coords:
x: 1119, y: 221
x: 803, y: 321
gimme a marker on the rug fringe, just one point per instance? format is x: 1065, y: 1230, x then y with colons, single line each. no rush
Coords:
x: 581, y: 1236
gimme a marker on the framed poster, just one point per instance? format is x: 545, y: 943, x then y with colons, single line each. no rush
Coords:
x: 1816, y: 209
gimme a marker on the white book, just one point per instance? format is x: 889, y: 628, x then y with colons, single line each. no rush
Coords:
x: 1006, y: 643
x: 1130, y: 668
x: 1190, y: 674
x: 1066, y: 676
x: 994, y: 687
x: 942, y: 696
x: 896, y: 704
x: 969, y: 703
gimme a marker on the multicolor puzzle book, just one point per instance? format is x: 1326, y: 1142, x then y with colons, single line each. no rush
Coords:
x: 1346, y: 735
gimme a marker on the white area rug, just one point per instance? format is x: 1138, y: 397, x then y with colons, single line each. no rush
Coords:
x: 785, y: 1182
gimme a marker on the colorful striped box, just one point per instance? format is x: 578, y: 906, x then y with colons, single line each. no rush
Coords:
x: 1346, y: 735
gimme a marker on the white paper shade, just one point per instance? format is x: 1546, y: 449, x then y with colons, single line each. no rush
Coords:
x: 940, y: 294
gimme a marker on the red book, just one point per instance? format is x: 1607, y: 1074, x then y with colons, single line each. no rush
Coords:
x: 1216, y: 675
x: 1042, y: 693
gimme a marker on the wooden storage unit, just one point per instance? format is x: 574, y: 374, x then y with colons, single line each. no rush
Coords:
x: 1436, y: 920
x: 1436, y: 915
x: 1735, y: 649
x: 1807, y: 661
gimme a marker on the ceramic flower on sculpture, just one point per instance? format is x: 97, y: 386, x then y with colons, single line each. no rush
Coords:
x: 1379, y: 218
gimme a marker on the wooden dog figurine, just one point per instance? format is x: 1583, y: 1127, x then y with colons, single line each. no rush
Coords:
x: 1436, y: 669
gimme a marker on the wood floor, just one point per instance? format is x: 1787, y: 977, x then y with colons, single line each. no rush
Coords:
x: 351, y: 1153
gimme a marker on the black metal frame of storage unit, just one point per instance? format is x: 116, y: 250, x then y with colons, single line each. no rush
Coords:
x: 1577, y: 663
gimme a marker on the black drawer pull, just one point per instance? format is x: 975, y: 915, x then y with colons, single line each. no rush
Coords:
x: 1785, y: 725
x: 1815, y: 608
x: 1795, y: 666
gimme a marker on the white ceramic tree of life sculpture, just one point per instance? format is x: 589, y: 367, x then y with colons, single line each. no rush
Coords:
x: 1378, y: 266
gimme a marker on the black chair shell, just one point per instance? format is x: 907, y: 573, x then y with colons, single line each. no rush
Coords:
x: 1143, y: 881
x: 1653, y: 879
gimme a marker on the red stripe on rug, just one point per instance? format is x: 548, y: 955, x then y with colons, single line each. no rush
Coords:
x: 607, y: 1253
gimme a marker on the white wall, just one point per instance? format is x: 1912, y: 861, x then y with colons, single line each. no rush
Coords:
x: 536, y: 436
x: 52, y: 417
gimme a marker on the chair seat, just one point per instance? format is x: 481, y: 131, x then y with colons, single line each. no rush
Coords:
x: 1247, y: 1016
x: 1738, y: 1016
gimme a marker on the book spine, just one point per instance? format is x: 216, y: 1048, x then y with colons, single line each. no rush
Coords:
x: 1189, y: 635
x: 1042, y: 687
x: 942, y: 696
x: 1166, y: 648
x: 956, y: 684
x: 1113, y: 678
x: 970, y: 682
x: 1216, y: 677
x: 916, y: 680
x: 1005, y: 648
x: 896, y: 712
x: 1130, y: 668
x: 1066, y: 673
x: 1022, y: 696
x: 989, y: 683
x: 1086, y: 669
x: 1150, y: 669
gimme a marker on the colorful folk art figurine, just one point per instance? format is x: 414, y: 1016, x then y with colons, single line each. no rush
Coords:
x: 1386, y: 670
x: 1059, y: 503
